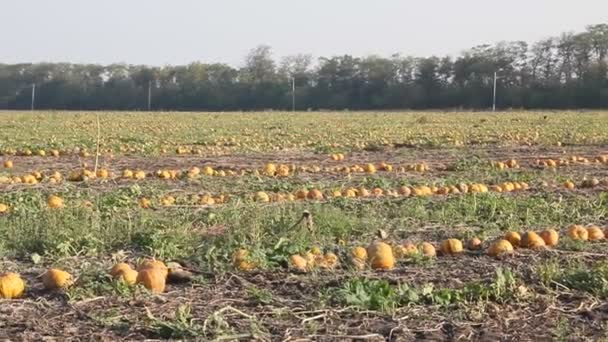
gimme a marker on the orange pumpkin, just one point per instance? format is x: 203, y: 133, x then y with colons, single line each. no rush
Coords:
x: 513, y: 237
x: 474, y: 244
x: 499, y: 248
x: 153, y: 279
x: 595, y: 233
x: 577, y: 232
x: 299, y: 263
x: 550, y: 236
x: 531, y: 240
x: 54, y: 279
x: 381, y: 256
x: 428, y: 249
x: 451, y: 247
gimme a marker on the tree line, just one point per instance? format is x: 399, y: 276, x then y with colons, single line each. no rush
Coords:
x: 566, y: 71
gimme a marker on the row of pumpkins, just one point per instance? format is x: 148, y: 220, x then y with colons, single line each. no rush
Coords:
x: 269, y: 170
x: 403, y: 191
x: 152, y: 274
x: 383, y: 255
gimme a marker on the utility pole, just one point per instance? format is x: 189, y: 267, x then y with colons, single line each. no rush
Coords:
x: 149, y: 95
x: 33, y: 95
x: 494, y: 97
x: 293, y: 94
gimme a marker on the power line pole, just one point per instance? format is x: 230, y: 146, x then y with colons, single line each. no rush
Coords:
x: 494, y: 96
x: 293, y: 94
x: 33, y: 95
x: 149, y: 95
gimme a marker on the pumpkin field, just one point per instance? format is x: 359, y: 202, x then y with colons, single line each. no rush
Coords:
x: 278, y: 226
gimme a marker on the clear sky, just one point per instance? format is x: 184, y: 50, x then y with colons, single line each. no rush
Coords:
x: 159, y: 32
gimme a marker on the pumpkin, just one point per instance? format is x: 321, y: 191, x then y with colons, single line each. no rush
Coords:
x: 316, y: 250
x: 513, y: 237
x: 54, y: 279
x: 139, y: 175
x: 381, y: 256
x: 451, y: 246
x: 328, y: 261
x: 359, y: 253
x: 405, y: 191
x: 153, y: 279
x: 11, y: 286
x: 144, y: 203
x: 594, y: 233
x: 369, y: 168
x: 550, y: 236
x: 474, y: 244
x: 119, y: 268
x: 261, y: 196
x: 577, y: 232
x: 3, y: 208
x: 129, y: 276
x: 310, y: 259
x: 499, y: 248
x: 103, y: 173
x: 314, y: 194
x: 427, y: 249
x: 270, y: 169
x: 410, y: 249
x: 531, y: 240
x: 156, y: 264
x: 298, y: 263
x: 54, y: 202
x: 241, y: 260
x: 8, y: 164
x: 124, y: 272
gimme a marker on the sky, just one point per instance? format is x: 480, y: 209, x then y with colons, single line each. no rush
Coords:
x: 161, y: 32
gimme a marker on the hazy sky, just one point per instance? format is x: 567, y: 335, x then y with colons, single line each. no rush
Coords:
x: 162, y: 32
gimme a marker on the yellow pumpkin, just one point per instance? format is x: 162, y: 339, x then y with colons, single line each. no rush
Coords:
x: 153, y: 279
x: 381, y: 256
x: 594, y: 233
x: 329, y: 261
x: 531, y: 240
x: 124, y: 272
x: 54, y: 202
x: 577, y: 232
x: 144, y: 203
x: 11, y: 286
x: 474, y: 244
x: 54, y: 279
x: 513, y: 237
x: 369, y: 168
x: 261, y: 196
x: 428, y: 249
x: 451, y: 247
x: 410, y: 249
x: 3, y: 208
x: 550, y: 236
x: 359, y: 253
x: 499, y: 248
x: 139, y: 175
